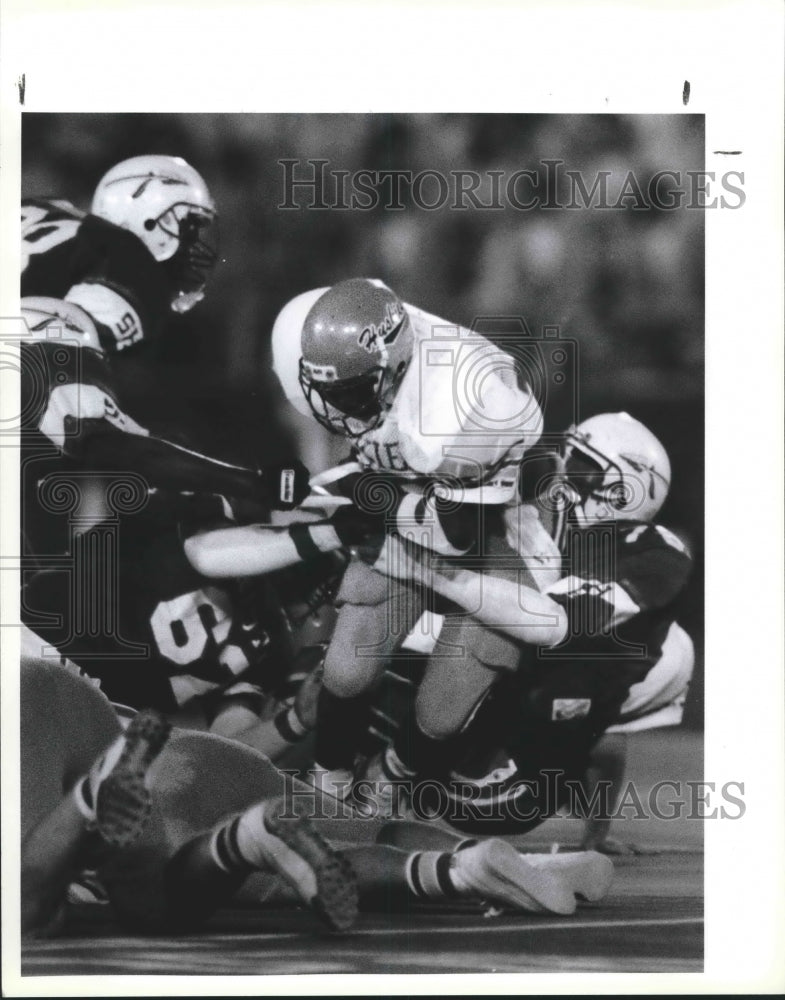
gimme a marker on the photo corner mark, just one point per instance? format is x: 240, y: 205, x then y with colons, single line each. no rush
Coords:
x: 21, y: 84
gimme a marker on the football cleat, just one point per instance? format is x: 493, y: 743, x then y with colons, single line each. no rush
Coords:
x: 321, y: 876
x: 114, y: 797
x: 588, y: 873
x: 496, y: 872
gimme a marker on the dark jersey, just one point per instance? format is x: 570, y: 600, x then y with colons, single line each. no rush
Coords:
x: 618, y: 584
x: 618, y: 589
x: 73, y: 425
x: 132, y: 612
x: 68, y: 408
x: 103, y: 268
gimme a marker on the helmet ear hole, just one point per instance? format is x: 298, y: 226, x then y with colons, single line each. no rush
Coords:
x: 620, y: 496
x: 149, y: 225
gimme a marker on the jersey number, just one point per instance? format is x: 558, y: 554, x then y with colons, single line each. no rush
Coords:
x: 182, y: 626
x: 40, y: 234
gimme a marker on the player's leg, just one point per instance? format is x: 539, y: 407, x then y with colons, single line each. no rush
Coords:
x: 490, y: 870
x: 223, y: 818
x: 465, y: 662
x: 375, y: 616
x: 83, y: 785
x: 585, y: 873
x: 270, y: 836
x: 604, y: 777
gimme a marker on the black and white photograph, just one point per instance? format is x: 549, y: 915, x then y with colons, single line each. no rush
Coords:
x: 366, y: 546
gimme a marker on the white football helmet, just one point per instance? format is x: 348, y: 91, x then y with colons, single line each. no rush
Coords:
x: 615, y: 469
x: 47, y: 318
x: 166, y: 203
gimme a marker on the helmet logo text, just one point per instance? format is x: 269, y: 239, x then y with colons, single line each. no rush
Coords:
x: 374, y: 336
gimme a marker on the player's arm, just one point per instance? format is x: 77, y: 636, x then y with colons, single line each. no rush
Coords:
x: 290, y: 724
x: 169, y: 466
x: 256, y: 549
x: 444, y: 524
x: 651, y: 568
x: 507, y: 605
x: 82, y: 418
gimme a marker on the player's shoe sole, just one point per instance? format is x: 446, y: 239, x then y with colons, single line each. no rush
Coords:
x: 124, y: 801
x: 495, y: 871
x: 321, y: 876
x: 588, y: 873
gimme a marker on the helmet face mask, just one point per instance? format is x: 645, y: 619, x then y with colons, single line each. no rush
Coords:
x: 166, y: 203
x: 615, y: 469
x: 195, y: 254
x: 349, y: 406
x: 356, y: 345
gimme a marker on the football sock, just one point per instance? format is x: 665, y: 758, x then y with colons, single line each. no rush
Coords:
x: 226, y: 851
x: 429, y: 875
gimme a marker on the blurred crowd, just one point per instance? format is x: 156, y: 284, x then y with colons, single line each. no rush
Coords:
x: 625, y: 285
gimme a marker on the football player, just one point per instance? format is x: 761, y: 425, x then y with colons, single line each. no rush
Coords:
x: 208, y: 652
x: 174, y: 828
x: 144, y: 250
x: 73, y: 420
x: 420, y: 402
x: 621, y: 656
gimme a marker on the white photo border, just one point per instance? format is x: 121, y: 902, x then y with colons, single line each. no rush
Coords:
x: 502, y: 57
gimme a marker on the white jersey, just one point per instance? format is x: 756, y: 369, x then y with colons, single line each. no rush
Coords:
x: 459, y: 412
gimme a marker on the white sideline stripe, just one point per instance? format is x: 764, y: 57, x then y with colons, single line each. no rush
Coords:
x: 566, y: 925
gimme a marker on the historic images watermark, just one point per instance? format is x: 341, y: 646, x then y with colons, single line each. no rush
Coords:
x: 520, y: 802
x: 318, y: 185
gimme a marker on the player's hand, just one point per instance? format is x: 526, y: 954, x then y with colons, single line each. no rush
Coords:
x: 357, y: 528
x: 285, y: 486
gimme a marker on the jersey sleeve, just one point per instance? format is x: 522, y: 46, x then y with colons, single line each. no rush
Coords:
x: 654, y: 565
x: 651, y: 568
x: 122, y: 286
x: 105, y: 269
x: 67, y: 391
x: 68, y: 397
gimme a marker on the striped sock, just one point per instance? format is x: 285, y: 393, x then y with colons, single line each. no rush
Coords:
x: 225, y: 848
x: 428, y: 875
